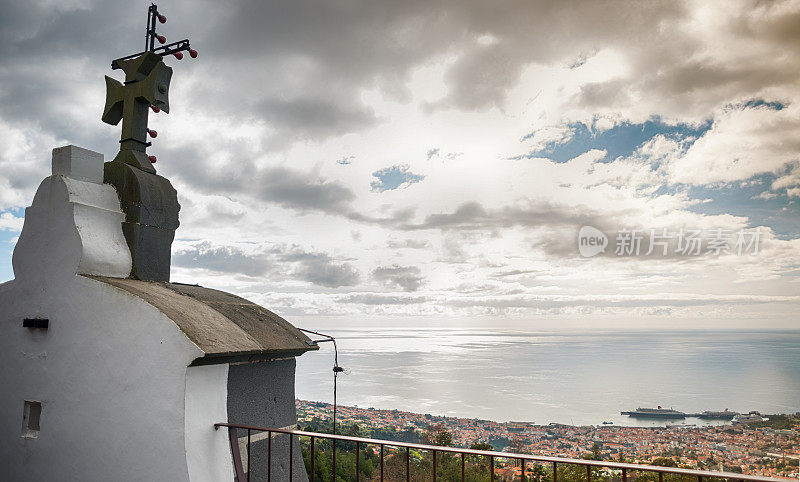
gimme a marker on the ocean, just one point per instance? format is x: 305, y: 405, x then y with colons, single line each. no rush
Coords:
x: 572, y: 377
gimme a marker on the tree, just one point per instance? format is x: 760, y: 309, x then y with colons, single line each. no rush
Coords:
x: 517, y: 446
x: 481, y: 446
x: 438, y: 435
x: 664, y: 462
x: 345, y: 458
x: 537, y: 472
x: 595, y: 453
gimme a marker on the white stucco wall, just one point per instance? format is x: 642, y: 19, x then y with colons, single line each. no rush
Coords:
x: 207, y: 450
x: 118, y: 401
x: 73, y: 225
x: 110, y: 373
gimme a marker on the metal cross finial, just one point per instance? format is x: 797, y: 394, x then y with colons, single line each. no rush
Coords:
x: 146, y: 86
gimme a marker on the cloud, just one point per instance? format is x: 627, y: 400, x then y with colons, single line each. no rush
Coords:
x: 766, y: 195
x: 296, y: 190
x: 791, y: 179
x: 9, y: 222
x: 263, y: 261
x: 472, y: 215
x: 482, y: 77
x: 290, y: 188
x: 741, y: 144
x: 380, y: 299
x: 394, y: 177
x: 667, y: 115
x: 224, y: 259
x: 407, y: 278
x: 311, y: 118
x: 408, y: 244
x: 320, y: 269
x: 637, y: 301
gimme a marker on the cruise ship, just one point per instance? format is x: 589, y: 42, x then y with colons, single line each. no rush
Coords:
x: 655, y: 413
x: 749, y: 417
x: 715, y: 415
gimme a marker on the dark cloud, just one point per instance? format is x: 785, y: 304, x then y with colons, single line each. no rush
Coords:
x: 407, y: 278
x: 279, y: 262
x: 473, y: 216
x: 320, y: 269
x: 313, y: 118
x: 598, y: 95
x: 336, y: 50
x: 299, y: 190
x: 224, y: 259
x: 50, y: 56
x: 482, y: 78
x: 290, y: 188
x: 302, y: 191
x: 301, y: 67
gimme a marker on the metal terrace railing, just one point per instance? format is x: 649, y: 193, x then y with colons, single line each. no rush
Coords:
x: 564, y: 469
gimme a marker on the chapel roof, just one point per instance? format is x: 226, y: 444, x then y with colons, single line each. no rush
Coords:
x: 226, y: 327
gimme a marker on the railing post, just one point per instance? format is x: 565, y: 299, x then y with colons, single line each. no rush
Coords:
x: 269, y: 456
x: 237, y: 457
x: 462, y: 466
x: 555, y: 471
x: 491, y: 465
x: 434, y: 466
x: 588, y: 473
x: 291, y: 455
x: 249, y: 455
x: 313, y: 467
x: 660, y: 476
x: 408, y: 464
x: 358, y: 461
x: 522, y: 471
x: 381, y: 462
x: 625, y: 475
x: 334, y: 459
x: 699, y: 478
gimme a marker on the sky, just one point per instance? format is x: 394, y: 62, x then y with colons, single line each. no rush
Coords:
x: 436, y: 160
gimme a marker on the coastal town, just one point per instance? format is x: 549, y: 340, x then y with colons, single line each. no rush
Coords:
x: 747, y: 448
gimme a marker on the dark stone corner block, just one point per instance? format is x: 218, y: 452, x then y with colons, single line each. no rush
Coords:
x: 150, y: 204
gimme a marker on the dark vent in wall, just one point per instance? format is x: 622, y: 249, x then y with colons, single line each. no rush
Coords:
x: 31, y: 414
x: 41, y: 323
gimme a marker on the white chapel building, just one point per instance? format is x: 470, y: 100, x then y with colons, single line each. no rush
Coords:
x: 106, y: 374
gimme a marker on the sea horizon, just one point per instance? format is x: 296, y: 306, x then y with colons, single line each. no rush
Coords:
x: 549, y: 376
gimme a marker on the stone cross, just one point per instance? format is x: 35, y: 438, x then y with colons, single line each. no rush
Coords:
x: 149, y: 201
x: 146, y: 86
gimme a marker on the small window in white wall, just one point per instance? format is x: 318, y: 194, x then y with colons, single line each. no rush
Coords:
x: 30, y: 419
